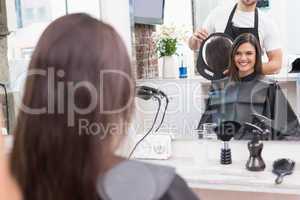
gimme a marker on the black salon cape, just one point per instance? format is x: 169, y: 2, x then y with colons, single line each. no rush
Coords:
x: 135, y: 180
x: 237, y: 100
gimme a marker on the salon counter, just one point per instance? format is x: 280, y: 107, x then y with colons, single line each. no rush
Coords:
x: 197, y: 161
x: 278, y: 77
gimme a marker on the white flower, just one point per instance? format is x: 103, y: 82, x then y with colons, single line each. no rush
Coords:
x: 172, y: 31
x: 168, y: 38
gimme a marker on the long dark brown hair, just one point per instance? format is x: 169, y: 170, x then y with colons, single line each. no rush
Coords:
x: 241, y: 39
x: 55, y: 155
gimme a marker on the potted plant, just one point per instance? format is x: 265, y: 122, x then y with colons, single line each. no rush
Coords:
x: 167, y: 39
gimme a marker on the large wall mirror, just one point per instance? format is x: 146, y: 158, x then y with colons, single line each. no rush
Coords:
x: 183, y: 115
x: 281, y: 12
x: 27, y: 19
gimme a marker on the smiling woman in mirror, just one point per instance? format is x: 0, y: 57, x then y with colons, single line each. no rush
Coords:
x: 246, y: 93
x: 241, y: 18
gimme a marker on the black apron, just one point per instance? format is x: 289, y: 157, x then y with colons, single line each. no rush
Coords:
x: 234, y: 31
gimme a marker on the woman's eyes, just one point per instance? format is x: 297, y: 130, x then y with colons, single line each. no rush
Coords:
x: 238, y: 53
x: 248, y: 53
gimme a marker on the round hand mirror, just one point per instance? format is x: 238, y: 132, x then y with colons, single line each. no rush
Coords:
x: 214, y: 56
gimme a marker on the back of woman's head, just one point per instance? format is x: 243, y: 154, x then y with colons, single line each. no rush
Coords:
x: 242, y: 39
x: 218, y: 51
x: 77, y: 101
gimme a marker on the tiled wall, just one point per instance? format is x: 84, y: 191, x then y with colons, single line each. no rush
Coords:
x: 4, y: 75
x: 3, y: 42
x: 146, y: 57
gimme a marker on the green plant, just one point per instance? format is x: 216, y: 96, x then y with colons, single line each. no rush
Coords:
x: 168, y: 38
x: 166, y: 47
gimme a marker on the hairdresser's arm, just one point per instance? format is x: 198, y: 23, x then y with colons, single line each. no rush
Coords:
x: 8, y: 187
x: 274, y: 64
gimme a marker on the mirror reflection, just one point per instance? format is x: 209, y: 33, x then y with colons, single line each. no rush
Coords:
x: 214, y: 55
x: 246, y: 93
x: 214, y: 66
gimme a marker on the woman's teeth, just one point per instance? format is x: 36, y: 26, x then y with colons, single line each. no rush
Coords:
x: 244, y: 63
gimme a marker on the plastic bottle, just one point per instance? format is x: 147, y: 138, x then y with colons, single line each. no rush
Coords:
x: 182, y: 68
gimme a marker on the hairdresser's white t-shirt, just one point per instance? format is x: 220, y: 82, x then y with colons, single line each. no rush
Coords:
x: 268, y: 31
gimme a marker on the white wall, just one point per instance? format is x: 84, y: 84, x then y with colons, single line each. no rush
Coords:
x: 88, y: 6
x: 202, y: 8
x: 178, y: 12
x: 293, y: 29
x: 116, y: 13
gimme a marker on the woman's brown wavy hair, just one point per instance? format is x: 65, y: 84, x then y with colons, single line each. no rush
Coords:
x: 54, y: 156
x: 241, y: 39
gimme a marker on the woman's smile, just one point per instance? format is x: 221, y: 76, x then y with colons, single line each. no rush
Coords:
x: 245, y: 59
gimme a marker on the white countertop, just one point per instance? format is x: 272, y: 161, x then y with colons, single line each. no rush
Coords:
x: 291, y: 77
x: 198, y: 163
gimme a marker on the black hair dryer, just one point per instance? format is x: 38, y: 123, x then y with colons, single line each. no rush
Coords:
x: 255, y: 146
x: 225, y: 131
x: 264, y: 123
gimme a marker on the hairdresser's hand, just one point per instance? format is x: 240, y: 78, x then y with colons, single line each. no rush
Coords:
x: 197, y: 38
x: 8, y: 187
